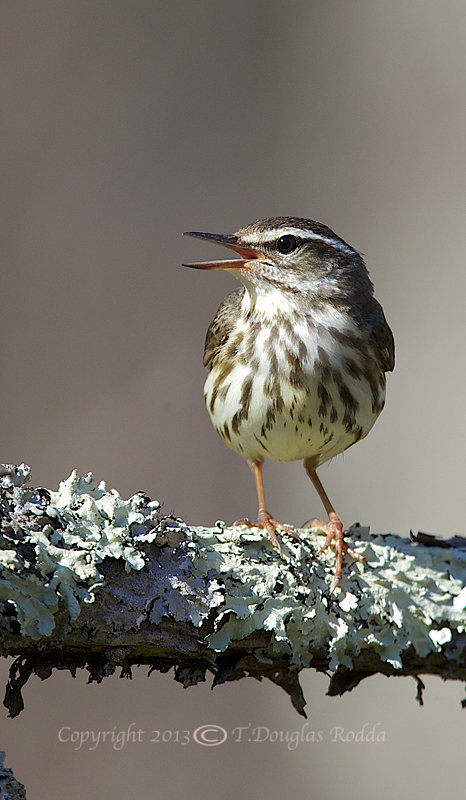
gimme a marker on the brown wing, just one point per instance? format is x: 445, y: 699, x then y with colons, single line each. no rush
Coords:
x: 221, y: 326
x: 382, y: 336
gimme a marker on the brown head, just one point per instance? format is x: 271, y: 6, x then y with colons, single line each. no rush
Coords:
x: 295, y: 255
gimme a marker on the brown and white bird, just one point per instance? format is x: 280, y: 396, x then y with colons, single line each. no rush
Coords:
x: 296, y: 357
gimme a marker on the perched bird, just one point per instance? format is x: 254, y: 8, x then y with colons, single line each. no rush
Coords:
x: 296, y: 357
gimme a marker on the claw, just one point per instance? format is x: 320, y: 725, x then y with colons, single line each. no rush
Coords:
x: 270, y: 525
x: 334, y: 539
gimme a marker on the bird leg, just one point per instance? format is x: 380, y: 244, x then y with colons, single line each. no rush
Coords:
x: 333, y: 528
x: 264, y: 517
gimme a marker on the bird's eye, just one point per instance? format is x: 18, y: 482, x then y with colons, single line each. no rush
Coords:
x: 287, y: 243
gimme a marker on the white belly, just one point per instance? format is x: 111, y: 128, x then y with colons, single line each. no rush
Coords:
x: 290, y: 396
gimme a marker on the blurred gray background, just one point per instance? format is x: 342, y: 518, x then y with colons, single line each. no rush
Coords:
x: 124, y: 124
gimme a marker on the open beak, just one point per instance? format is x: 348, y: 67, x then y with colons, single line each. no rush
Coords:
x: 246, y: 254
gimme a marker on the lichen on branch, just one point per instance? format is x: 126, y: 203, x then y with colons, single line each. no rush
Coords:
x: 90, y: 580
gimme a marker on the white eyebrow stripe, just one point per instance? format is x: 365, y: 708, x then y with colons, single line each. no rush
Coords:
x: 308, y: 234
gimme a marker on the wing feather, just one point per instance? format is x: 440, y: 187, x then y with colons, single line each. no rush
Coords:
x: 382, y: 337
x: 221, y: 326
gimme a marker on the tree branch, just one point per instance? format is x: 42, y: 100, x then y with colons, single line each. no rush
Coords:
x: 89, y: 580
x: 10, y: 788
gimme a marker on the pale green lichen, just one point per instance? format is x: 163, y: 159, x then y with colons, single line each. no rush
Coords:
x: 102, y: 518
x: 405, y: 596
x: 87, y: 525
x: 400, y: 599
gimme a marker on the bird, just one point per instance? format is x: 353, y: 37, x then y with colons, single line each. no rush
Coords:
x: 296, y: 357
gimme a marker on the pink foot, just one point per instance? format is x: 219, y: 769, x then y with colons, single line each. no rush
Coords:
x: 334, y: 539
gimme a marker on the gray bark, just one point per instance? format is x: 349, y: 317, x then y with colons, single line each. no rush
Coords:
x: 89, y: 580
x: 10, y: 788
